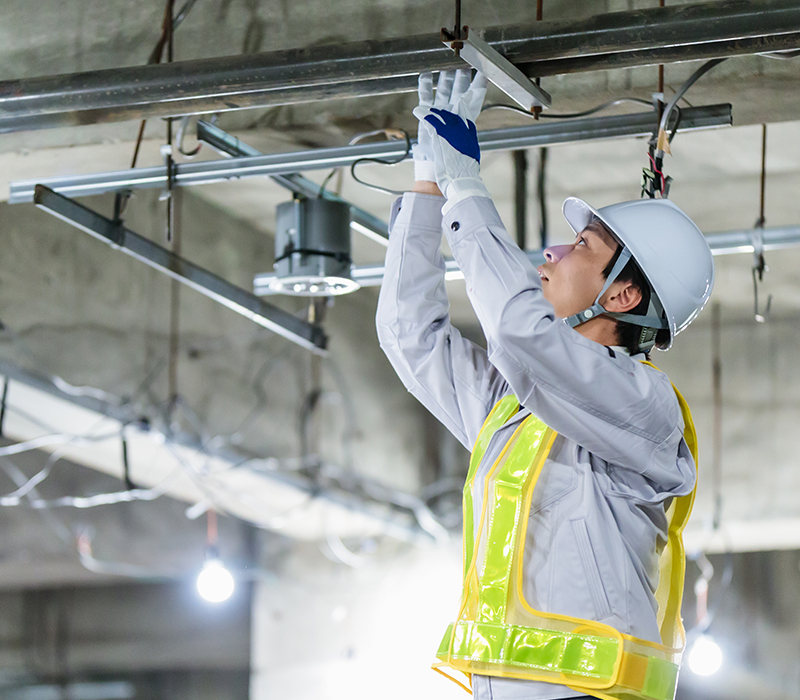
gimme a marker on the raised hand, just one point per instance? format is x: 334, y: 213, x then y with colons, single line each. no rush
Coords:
x: 447, y: 122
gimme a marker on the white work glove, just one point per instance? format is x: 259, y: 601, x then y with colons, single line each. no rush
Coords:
x: 423, y: 148
x: 449, y: 123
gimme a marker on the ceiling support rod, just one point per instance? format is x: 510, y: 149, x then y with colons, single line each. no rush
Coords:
x: 514, y: 138
x: 243, y: 302
x: 620, y: 39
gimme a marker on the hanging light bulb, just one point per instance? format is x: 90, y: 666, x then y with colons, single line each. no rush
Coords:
x: 214, y: 582
x: 705, y: 656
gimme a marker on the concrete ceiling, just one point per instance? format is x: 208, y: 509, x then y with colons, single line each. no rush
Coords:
x: 74, y: 309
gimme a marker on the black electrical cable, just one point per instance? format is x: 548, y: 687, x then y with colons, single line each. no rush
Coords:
x: 382, y: 161
x: 572, y: 115
x: 3, y: 405
x: 339, y: 257
x: 129, y: 485
x: 541, y: 192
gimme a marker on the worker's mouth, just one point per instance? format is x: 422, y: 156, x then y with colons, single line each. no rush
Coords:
x: 543, y: 276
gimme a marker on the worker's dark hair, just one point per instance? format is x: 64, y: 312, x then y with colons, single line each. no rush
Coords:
x: 629, y: 334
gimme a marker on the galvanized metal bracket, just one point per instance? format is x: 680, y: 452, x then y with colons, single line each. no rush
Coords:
x: 309, y: 336
x: 498, y: 69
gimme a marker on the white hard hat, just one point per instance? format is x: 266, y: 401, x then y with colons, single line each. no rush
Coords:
x: 671, y: 251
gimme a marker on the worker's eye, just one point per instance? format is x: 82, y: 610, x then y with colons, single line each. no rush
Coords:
x: 581, y: 240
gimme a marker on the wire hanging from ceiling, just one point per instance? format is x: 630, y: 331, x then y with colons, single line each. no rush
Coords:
x: 759, y: 262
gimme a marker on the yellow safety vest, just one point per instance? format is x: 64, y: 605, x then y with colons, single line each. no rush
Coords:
x: 497, y: 633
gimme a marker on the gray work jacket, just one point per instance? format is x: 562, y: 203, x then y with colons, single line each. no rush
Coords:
x: 598, y: 513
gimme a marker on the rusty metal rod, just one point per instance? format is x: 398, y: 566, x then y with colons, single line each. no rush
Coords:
x: 621, y: 39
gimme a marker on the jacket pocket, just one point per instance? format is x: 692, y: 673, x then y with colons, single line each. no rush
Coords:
x: 602, y: 607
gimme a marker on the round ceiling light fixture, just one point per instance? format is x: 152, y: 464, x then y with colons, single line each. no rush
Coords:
x: 312, y: 249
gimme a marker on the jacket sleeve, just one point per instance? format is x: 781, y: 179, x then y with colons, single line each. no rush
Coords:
x: 619, y: 409
x: 450, y: 375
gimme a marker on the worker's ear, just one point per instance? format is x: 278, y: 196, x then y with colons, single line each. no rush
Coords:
x: 621, y: 297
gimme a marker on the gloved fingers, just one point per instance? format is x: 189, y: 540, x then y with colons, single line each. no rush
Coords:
x: 479, y: 82
x: 472, y: 101
x: 461, y: 84
x: 444, y: 87
x: 425, y: 89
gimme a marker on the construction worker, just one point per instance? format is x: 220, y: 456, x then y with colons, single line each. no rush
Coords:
x: 583, y: 467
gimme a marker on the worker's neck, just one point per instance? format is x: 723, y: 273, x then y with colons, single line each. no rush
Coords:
x: 601, y: 330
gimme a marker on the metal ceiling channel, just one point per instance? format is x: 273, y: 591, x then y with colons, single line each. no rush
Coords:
x: 206, y: 172
x: 620, y: 39
x: 725, y: 243
x: 309, y: 336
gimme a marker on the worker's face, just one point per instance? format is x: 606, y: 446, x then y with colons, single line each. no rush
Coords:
x: 572, y: 275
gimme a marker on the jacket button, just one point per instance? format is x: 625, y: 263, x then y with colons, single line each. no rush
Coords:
x: 455, y: 226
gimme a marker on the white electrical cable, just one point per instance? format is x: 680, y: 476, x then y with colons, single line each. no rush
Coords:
x: 88, y: 561
x: 35, y: 443
x: 104, y: 499
x: 13, y: 498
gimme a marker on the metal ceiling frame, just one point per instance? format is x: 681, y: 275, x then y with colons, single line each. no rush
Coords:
x: 615, y: 40
x: 513, y: 138
x: 243, y: 302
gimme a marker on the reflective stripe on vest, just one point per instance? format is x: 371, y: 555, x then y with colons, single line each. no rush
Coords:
x: 497, y: 633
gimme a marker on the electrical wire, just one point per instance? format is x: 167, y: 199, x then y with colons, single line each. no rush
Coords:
x: 13, y: 498
x: 88, y: 561
x: 782, y: 55
x: 572, y: 115
x: 693, y: 78
x: 47, y: 440
x: 206, y: 480
x: 391, y: 134
x: 105, y: 499
x: 706, y: 613
x: 184, y: 124
x: 18, y: 477
x: 202, y: 481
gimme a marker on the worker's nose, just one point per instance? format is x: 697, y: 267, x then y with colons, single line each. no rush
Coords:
x: 556, y: 252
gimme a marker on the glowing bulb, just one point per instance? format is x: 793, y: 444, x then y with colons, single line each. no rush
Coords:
x: 214, y: 582
x: 705, y: 656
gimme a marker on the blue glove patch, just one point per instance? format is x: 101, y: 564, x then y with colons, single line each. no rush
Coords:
x: 460, y: 133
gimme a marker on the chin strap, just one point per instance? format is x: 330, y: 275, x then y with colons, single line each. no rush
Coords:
x: 651, y: 323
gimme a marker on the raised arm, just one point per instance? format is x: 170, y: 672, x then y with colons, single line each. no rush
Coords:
x: 450, y: 375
